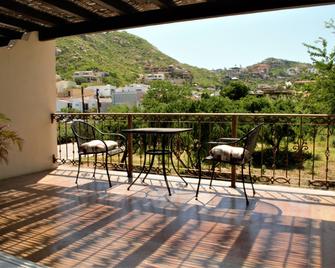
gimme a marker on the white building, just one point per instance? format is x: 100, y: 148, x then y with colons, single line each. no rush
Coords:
x: 130, y: 95
x: 89, y: 103
x: 104, y: 90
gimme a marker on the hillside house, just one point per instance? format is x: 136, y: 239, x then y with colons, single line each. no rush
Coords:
x: 234, y: 72
x: 154, y: 76
x: 130, y: 95
x: 293, y: 71
x: 90, y: 103
x: 260, y: 70
x: 104, y: 90
x: 88, y: 76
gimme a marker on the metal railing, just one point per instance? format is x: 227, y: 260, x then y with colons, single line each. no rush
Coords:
x: 293, y: 149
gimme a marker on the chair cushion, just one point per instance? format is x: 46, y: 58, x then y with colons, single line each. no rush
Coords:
x: 227, y: 153
x: 97, y: 146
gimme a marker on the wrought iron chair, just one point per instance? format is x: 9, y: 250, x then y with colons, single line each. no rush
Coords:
x: 226, y: 151
x: 92, y: 141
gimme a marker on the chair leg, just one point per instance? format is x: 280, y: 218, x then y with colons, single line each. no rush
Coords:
x: 95, y: 165
x: 106, y: 163
x: 126, y: 166
x: 212, y: 175
x: 78, y: 169
x: 251, y: 180
x: 196, y: 195
x: 245, y: 192
x: 174, y: 167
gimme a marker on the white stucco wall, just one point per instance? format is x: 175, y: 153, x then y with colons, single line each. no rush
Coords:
x: 28, y: 97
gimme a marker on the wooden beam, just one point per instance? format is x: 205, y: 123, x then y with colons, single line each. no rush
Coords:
x: 23, y: 24
x: 73, y: 8
x: 4, y: 41
x: 164, y: 3
x: 31, y: 12
x: 10, y: 34
x: 118, y: 5
x: 180, y: 13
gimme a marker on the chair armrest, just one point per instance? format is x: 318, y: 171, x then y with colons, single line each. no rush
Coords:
x: 111, y: 134
x: 225, y: 141
x: 229, y: 139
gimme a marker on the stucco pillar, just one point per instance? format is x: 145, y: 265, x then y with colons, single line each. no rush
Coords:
x: 28, y: 97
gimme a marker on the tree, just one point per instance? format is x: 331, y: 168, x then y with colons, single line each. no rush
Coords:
x: 166, y: 97
x: 323, y: 92
x: 235, y: 90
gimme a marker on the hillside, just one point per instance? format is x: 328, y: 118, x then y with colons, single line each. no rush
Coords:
x: 123, y: 55
x: 280, y: 66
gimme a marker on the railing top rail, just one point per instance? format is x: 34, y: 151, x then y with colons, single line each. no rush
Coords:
x: 204, y: 114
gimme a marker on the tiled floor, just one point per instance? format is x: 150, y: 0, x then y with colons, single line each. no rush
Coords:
x: 47, y: 219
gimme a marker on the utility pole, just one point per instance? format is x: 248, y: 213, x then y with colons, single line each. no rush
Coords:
x: 98, y: 101
x: 82, y: 99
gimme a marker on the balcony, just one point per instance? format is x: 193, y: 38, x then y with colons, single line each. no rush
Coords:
x: 49, y: 220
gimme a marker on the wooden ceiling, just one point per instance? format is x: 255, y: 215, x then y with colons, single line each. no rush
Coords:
x: 58, y: 18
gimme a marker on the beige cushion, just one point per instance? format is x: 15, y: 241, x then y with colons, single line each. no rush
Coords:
x: 96, y: 146
x: 229, y: 153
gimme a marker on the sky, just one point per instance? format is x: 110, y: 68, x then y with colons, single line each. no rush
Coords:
x: 242, y: 40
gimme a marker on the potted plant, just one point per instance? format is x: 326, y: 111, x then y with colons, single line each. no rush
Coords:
x: 7, y: 137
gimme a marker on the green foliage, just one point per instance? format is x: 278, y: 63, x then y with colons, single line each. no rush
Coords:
x: 235, y: 90
x: 7, y: 137
x: 323, y: 92
x: 164, y: 97
x: 255, y: 104
x: 121, y: 108
x: 69, y: 110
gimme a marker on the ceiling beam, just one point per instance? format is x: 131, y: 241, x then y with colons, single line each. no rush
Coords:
x: 10, y: 34
x: 4, y: 41
x: 164, y: 3
x: 25, y: 25
x: 179, y: 13
x: 73, y: 8
x: 31, y: 12
x: 118, y: 5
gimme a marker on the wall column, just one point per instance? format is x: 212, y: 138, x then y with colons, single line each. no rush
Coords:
x: 28, y: 97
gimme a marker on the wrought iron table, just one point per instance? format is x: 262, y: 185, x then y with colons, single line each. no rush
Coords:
x: 165, y: 136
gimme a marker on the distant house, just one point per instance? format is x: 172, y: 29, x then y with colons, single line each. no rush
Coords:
x: 272, y: 91
x: 293, y: 71
x: 174, y: 74
x: 234, y: 72
x: 130, y: 95
x: 88, y: 76
x: 89, y: 103
x: 260, y: 70
x: 63, y: 87
x: 104, y: 90
x: 154, y: 76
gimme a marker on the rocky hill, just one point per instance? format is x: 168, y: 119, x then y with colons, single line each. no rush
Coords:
x: 124, y: 56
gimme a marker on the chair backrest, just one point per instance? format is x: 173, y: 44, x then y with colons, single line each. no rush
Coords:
x: 83, y: 131
x: 251, y: 138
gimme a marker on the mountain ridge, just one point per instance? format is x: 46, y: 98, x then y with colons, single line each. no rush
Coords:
x: 126, y: 57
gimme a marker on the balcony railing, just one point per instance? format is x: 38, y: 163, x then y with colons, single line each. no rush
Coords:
x: 293, y: 149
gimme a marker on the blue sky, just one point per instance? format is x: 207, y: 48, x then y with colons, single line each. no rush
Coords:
x: 242, y: 40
